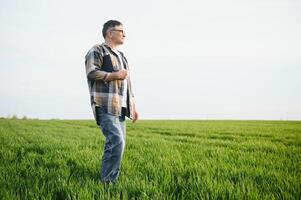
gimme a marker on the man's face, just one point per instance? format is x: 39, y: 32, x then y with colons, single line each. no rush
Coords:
x: 117, y: 34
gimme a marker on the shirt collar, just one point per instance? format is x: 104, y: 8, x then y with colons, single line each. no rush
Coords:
x: 105, y: 44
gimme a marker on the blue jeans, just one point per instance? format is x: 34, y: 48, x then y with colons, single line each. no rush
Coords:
x: 113, y: 128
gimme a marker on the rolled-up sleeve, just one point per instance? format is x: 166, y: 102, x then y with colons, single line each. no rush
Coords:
x: 93, y: 62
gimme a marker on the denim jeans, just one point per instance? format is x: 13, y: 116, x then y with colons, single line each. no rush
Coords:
x: 113, y: 128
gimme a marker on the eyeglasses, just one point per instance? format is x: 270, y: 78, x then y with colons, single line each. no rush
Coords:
x: 122, y: 31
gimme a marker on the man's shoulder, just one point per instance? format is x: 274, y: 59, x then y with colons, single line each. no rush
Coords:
x: 95, y: 48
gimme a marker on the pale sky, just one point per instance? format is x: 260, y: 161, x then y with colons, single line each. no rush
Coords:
x: 189, y: 59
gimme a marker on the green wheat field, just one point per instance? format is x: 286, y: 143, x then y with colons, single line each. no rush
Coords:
x: 204, y: 159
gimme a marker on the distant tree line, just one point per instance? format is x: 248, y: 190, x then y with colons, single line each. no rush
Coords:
x: 15, y: 117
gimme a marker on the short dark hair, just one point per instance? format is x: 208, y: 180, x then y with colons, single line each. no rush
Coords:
x: 109, y: 24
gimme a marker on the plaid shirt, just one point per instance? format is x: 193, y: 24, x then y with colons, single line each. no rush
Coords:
x: 100, y: 61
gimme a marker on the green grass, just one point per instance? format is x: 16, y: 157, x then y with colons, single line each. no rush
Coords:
x: 60, y: 159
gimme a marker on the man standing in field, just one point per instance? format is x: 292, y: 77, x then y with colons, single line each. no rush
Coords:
x: 111, y: 95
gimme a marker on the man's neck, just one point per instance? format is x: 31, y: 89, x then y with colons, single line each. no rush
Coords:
x: 111, y: 45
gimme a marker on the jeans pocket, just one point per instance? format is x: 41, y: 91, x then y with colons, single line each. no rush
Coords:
x: 104, y: 119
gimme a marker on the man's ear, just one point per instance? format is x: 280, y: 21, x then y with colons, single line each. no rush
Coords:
x: 109, y: 34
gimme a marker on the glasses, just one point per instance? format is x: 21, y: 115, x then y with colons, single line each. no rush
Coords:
x: 121, y: 31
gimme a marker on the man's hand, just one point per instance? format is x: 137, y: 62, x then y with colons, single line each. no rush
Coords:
x: 135, y: 117
x: 120, y: 75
